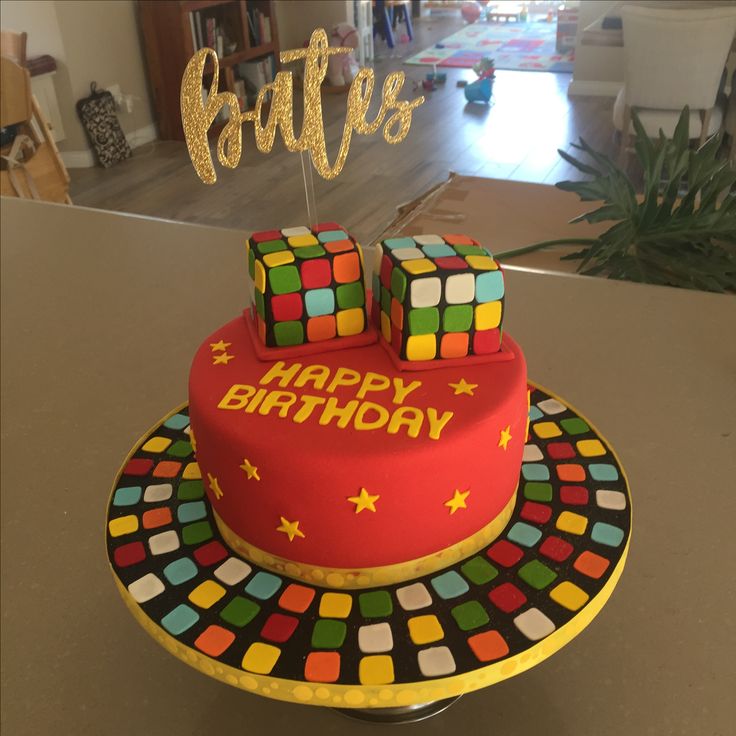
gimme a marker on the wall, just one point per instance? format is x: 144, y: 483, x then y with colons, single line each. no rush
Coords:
x: 297, y: 19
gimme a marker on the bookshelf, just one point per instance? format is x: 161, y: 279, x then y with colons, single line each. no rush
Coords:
x: 243, y: 32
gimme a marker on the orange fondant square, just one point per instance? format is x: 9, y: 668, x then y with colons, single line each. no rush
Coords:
x: 346, y: 268
x: 261, y: 329
x: 571, y: 472
x: 156, y: 517
x: 339, y: 246
x: 488, y: 646
x: 321, y: 328
x: 166, y: 469
x: 591, y: 564
x: 454, y: 345
x: 322, y: 667
x: 397, y: 313
x: 214, y: 640
x: 296, y: 598
x: 455, y: 239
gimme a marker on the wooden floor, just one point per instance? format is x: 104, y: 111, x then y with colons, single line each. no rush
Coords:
x: 517, y: 137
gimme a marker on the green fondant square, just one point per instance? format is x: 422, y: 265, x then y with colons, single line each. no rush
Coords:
x: 240, y: 611
x: 190, y: 490
x: 478, y: 570
x: 328, y: 634
x: 536, y: 574
x: 251, y: 263
x: 309, y: 251
x: 195, y: 533
x: 470, y: 615
x: 538, y: 491
x: 469, y: 250
x: 180, y: 448
x: 260, y: 304
x: 398, y: 284
x: 425, y: 321
x: 270, y: 246
x: 284, y: 279
x: 457, y: 318
x: 385, y: 300
x: 288, y: 333
x: 350, y: 295
x: 375, y: 604
x: 574, y: 425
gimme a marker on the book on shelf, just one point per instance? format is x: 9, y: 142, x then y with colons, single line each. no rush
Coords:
x: 211, y: 26
x: 255, y: 74
x: 253, y: 28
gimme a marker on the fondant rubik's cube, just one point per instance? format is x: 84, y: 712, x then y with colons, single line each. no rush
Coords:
x: 308, y: 284
x: 438, y: 297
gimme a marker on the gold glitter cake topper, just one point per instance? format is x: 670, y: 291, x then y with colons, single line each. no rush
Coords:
x: 198, y: 115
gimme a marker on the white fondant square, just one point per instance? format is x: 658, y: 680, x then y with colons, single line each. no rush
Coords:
x: 407, y: 254
x: 413, y: 597
x: 429, y: 239
x: 165, y: 542
x: 187, y: 430
x: 612, y: 500
x: 290, y: 232
x: 532, y: 454
x: 436, y: 661
x: 377, y: 258
x: 551, y: 406
x: 232, y: 571
x: 534, y: 624
x: 375, y: 638
x: 145, y: 588
x: 426, y: 292
x: 158, y: 492
x: 460, y: 288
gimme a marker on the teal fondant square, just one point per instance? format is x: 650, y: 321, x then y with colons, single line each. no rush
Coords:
x: 328, y: 236
x: 177, y: 421
x: 489, y: 286
x: 192, y: 511
x: 179, y: 619
x: 127, y: 496
x: 603, y: 471
x: 181, y: 570
x: 524, y: 534
x: 607, y: 534
x: 535, y: 413
x: 319, y: 302
x: 438, y: 251
x: 534, y: 471
x: 449, y: 585
x: 263, y: 585
x: 394, y: 243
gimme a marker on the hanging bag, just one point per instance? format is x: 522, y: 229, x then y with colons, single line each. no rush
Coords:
x: 100, y: 121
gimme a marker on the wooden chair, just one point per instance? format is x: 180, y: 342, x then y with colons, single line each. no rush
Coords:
x: 13, y: 46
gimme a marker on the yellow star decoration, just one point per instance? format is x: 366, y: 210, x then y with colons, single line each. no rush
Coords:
x: 463, y: 387
x: 290, y: 528
x: 221, y: 358
x: 364, y: 501
x: 215, y: 346
x: 215, y: 486
x: 457, y: 501
x: 250, y: 469
x: 505, y: 437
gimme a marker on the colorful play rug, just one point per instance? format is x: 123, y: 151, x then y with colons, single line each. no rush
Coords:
x: 519, y: 46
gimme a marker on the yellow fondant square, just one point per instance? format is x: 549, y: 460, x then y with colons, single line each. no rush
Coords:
x: 300, y: 241
x: 545, y: 430
x: 572, y: 523
x: 335, y: 605
x: 260, y: 658
x: 260, y: 278
x: 350, y: 321
x: 192, y: 472
x: 590, y: 448
x: 482, y: 263
x: 488, y: 315
x: 386, y: 327
x: 156, y: 444
x: 421, y: 347
x: 206, y: 594
x: 425, y: 629
x: 376, y: 670
x: 569, y: 596
x: 124, y: 525
x: 421, y: 265
x: 279, y: 258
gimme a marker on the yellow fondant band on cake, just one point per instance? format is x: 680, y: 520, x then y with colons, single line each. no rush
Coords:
x: 335, y: 577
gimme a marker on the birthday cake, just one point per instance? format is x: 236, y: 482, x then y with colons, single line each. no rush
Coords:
x: 351, y: 449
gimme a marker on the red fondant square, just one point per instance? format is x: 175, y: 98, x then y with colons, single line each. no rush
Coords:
x: 166, y: 469
x: 266, y: 235
x: 537, y: 513
x: 322, y: 667
x: 507, y: 597
x: 316, y: 273
x: 287, y: 306
x: 556, y: 549
x: 210, y: 553
x: 154, y: 518
x: 574, y: 495
x: 487, y: 341
x: 138, y: 466
x: 386, y: 269
x: 396, y: 339
x: 129, y: 554
x: 451, y: 263
x: 560, y: 450
x: 339, y: 246
x: 324, y: 227
x: 279, y: 628
x: 505, y: 553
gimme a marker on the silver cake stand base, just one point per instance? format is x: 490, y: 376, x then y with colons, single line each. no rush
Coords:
x: 405, y: 714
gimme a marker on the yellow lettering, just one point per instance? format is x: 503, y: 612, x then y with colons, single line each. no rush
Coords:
x: 281, y: 399
x: 308, y: 405
x: 317, y: 375
x: 361, y: 423
x: 372, y: 382
x: 278, y: 370
x: 437, y: 423
x: 409, y: 417
x: 237, y: 396
x: 343, y: 377
x: 256, y: 400
x: 401, y: 391
x: 343, y: 413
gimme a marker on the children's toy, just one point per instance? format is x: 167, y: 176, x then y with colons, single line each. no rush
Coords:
x: 342, y: 68
x: 482, y: 88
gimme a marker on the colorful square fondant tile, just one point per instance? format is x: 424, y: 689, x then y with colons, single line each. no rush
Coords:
x: 470, y: 615
x: 232, y: 571
x: 532, y: 454
x: 127, y: 496
x: 478, y: 570
x: 536, y: 513
x: 537, y: 574
x: 425, y: 629
x: 214, y: 640
x: 155, y: 518
x: 534, y: 414
x: 123, y: 525
x: 560, y: 450
x: 507, y: 597
x: 536, y: 491
x: 377, y: 669
x: 196, y: 533
x: 322, y: 667
x: 206, y: 594
x: 611, y: 500
x: 138, y: 467
x: 534, y: 625
x: 279, y: 628
x: 551, y: 406
x: 180, y: 571
x: 210, y: 554
x: 590, y: 448
x: 488, y: 646
x: 546, y: 430
x: 607, y: 534
x: 414, y: 597
x: 535, y: 471
x: 240, y: 611
x: 177, y: 421
x: 263, y: 585
x: 570, y: 472
x: 156, y: 444
x: 524, y: 534
x: 436, y: 662
x: 146, y: 588
x: 180, y: 619
x: 505, y: 553
x: 158, y: 492
x: 375, y: 638
x: 603, y: 471
x: 591, y: 565
x: 296, y: 598
x: 574, y: 426
x: 569, y: 596
x: 574, y: 495
x: 191, y: 472
x: 165, y: 542
x: 260, y: 658
x: 571, y: 523
x: 556, y: 549
x: 335, y: 605
x: 328, y: 633
x: 191, y: 511
x: 167, y: 469
x: 375, y: 604
x: 129, y: 554
x: 449, y: 585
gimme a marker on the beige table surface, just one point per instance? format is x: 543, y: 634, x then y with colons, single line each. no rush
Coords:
x: 101, y: 314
